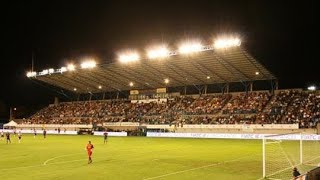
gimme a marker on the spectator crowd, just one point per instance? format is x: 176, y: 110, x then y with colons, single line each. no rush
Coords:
x: 284, y: 107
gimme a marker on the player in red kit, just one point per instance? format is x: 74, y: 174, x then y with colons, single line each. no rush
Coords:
x: 89, y: 150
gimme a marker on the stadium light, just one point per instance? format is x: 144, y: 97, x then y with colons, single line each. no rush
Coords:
x: 63, y: 69
x: 75, y: 89
x: 257, y: 73
x: 208, y: 77
x: 312, y: 88
x: 71, y: 67
x: 129, y: 57
x: 100, y: 87
x: 166, y: 81
x: 44, y: 72
x: 158, y: 52
x: 190, y: 47
x: 31, y: 74
x: 51, y: 71
x: 131, y: 84
x: 88, y: 64
x: 226, y: 43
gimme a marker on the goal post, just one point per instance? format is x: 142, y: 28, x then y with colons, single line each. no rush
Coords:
x: 282, y: 152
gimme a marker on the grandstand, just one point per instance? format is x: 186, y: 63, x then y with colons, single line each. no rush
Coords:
x: 154, y: 96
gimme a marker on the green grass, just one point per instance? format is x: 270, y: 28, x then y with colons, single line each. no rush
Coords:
x: 132, y: 158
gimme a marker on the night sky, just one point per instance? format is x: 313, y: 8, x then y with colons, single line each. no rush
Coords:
x: 282, y: 35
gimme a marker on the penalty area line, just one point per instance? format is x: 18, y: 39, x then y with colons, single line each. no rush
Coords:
x: 178, y: 172
x: 192, y: 169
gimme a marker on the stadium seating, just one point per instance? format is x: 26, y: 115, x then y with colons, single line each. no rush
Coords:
x: 284, y: 107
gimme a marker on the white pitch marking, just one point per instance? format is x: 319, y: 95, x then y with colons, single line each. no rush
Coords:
x: 192, y: 169
x: 178, y: 172
x: 45, y: 163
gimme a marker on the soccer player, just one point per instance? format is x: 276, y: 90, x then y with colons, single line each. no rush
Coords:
x: 44, y: 133
x: 105, y: 134
x: 8, y: 137
x: 89, y: 150
x: 2, y: 136
x: 34, y: 133
x: 295, y: 173
x: 19, y: 136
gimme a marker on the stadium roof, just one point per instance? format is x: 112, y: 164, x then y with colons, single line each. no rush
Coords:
x: 210, y: 66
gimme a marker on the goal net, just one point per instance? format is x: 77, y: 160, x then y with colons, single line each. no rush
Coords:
x: 283, y: 152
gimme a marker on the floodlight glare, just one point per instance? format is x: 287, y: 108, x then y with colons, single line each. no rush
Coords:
x: 88, y: 64
x: 312, y: 88
x: 31, y: 74
x: 75, y: 89
x: 226, y: 43
x: 257, y: 73
x: 159, y: 52
x: 100, y: 87
x: 44, y: 72
x: 129, y: 57
x: 51, y: 71
x: 208, y: 77
x: 63, y: 69
x: 71, y: 67
x: 131, y: 84
x: 188, y: 48
x: 166, y: 80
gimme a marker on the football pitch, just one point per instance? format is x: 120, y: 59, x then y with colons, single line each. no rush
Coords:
x: 129, y: 158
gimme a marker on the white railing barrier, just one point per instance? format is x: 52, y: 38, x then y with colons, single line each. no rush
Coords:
x: 101, y: 133
x: 313, y: 137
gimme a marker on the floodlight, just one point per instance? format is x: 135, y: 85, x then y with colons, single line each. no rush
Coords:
x: 63, y: 69
x: 129, y: 57
x: 166, y: 81
x: 257, y: 73
x: 226, y: 43
x: 131, y: 84
x: 159, y: 52
x: 71, y: 67
x: 312, y: 88
x: 190, y: 47
x: 51, y: 71
x: 208, y: 77
x: 31, y: 74
x: 88, y: 64
x: 75, y: 89
x: 28, y: 74
x: 100, y: 87
x: 44, y: 72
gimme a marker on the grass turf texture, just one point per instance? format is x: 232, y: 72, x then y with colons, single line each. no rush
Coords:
x: 132, y: 158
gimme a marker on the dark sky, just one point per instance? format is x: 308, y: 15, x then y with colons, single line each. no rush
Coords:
x: 282, y: 35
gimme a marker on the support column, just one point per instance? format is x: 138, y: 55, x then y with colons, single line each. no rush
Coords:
x: 11, y: 116
x: 251, y: 86
x: 274, y: 85
x: 90, y: 96
x: 103, y: 96
x: 118, y: 95
x: 227, y: 88
x: 245, y: 84
x: 205, y: 89
x: 185, y: 90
